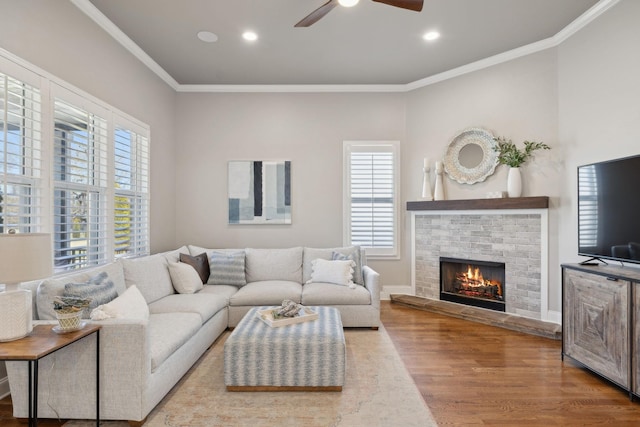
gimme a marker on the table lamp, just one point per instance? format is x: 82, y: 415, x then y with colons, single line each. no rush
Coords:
x: 23, y: 257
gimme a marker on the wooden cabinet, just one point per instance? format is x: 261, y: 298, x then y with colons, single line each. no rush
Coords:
x: 601, y: 321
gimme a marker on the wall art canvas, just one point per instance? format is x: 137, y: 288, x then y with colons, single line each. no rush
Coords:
x: 259, y: 192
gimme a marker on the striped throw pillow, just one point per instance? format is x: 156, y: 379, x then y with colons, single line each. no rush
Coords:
x: 227, y: 268
x: 99, y: 288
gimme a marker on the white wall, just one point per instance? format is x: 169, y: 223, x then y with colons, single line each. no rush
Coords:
x: 307, y: 129
x: 599, y: 104
x: 58, y: 38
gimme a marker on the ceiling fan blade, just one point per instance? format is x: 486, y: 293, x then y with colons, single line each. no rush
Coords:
x: 317, y: 14
x: 415, y: 5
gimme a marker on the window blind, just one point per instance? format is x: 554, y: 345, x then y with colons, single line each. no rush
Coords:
x: 131, y: 195
x: 372, y: 197
x: 20, y: 156
x: 588, y: 206
x: 80, y: 187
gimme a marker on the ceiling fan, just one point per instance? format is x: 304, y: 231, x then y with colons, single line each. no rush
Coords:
x: 316, y: 15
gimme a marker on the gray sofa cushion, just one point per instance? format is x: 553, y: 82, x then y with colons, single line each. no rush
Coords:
x: 206, y: 305
x: 168, y: 332
x: 274, y: 264
x: 330, y: 294
x: 150, y: 274
x: 269, y: 292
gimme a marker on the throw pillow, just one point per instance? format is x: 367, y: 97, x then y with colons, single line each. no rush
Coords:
x: 227, y: 268
x: 355, y: 256
x: 130, y: 305
x: 48, y: 289
x: 339, y: 272
x: 185, y: 278
x: 99, y: 288
x: 200, y: 263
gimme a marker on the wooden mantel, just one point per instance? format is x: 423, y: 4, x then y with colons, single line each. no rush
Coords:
x: 539, y: 202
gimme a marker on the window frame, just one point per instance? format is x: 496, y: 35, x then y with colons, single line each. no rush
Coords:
x: 392, y: 147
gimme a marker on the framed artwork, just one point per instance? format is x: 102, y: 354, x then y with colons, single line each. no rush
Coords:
x: 259, y: 192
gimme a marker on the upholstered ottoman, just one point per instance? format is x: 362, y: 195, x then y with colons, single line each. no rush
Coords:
x: 307, y: 356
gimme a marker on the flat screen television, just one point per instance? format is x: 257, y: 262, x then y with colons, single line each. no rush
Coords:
x: 609, y: 210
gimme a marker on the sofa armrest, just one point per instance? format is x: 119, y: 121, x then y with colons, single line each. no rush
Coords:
x: 67, y: 376
x: 372, y: 283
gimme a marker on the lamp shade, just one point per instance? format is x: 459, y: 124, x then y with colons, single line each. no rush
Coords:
x: 24, y: 257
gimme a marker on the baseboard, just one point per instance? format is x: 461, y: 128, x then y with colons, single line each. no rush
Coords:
x: 386, y: 291
x: 4, y: 387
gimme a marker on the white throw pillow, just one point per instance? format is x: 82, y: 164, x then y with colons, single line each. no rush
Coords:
x: 184, y: 277
x: 130, y: 305
x: 339, y: 272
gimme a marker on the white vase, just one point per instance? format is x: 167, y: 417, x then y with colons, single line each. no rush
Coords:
x: 426, y: 185
x: 438, y: 193
x: 514, y: 182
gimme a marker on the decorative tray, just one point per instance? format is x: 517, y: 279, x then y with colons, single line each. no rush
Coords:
x: 267, y: 317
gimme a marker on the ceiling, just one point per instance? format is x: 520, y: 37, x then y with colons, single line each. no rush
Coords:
x: 369, y: 44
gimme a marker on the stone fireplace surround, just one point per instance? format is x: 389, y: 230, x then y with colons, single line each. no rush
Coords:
x: 513, y: 231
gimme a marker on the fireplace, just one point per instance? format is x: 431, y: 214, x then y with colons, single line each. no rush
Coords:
x: 471, y: 282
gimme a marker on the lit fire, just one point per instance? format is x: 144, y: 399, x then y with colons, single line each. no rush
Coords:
x: 472, y: 283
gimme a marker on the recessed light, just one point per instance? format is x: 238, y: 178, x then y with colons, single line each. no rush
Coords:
x: 207, y: 36
x: 250, y: 36
x: 431, y: 35
x: 348, y: 3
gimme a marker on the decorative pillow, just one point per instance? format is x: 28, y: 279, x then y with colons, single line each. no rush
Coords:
x: 185, y: 278
x: 99, y: 288
x: 48, y: 289
x: 227, y: 268
x: 130, y: 305
x: 200, y: 263
x: 339, y: 272
x: 354, y: 256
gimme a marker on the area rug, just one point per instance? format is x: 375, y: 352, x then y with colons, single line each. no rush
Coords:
x: 378, y: 391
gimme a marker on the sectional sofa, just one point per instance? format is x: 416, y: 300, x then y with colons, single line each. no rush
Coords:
x: 161, y: 323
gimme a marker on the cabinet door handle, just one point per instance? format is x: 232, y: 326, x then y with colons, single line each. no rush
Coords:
x: 613, y: 279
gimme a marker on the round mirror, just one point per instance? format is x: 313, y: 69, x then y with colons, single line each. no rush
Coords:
x: 470, y: 157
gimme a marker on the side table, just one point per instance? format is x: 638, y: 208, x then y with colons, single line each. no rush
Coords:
x: 41, y: 342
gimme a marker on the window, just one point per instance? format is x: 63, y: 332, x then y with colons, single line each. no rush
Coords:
x: 80, y: 187
x: 20, y: 156
x: 83, y: 177
x: 371, y: 184
x: 588, y: 206
x: 131, y: 199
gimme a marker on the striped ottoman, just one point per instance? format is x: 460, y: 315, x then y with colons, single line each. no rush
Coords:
x: 307, y: 356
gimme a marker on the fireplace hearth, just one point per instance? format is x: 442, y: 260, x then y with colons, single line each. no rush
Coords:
x: 472, y: 282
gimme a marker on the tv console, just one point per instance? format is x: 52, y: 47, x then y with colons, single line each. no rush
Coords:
x: 601, y: 321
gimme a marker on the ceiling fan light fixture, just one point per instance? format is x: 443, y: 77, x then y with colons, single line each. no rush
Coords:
x: 348, y: 3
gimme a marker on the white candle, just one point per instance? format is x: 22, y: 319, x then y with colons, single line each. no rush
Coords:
x: 426, y: 163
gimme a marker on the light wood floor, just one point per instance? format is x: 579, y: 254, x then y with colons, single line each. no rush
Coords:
x: 473, y: 374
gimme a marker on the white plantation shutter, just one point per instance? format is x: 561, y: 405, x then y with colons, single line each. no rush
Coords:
x: 80, y: 187
x: 371, y: 200
x: 588, y: 206
x: 131, y: 194
x: 20, y: 156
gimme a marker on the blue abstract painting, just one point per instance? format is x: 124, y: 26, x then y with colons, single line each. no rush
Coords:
x: 259, y: 192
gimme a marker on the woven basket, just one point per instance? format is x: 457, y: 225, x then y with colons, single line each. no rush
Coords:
x: 69, y: 320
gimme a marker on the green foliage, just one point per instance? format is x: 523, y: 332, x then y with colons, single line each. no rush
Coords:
x: 70, y: 304
x: 512, y: 156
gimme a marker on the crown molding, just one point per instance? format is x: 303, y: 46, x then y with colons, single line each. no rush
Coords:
x: 103, y: 22
x: 583, y: 20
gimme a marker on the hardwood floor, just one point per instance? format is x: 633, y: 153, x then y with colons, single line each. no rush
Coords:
x: 474, y: 374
